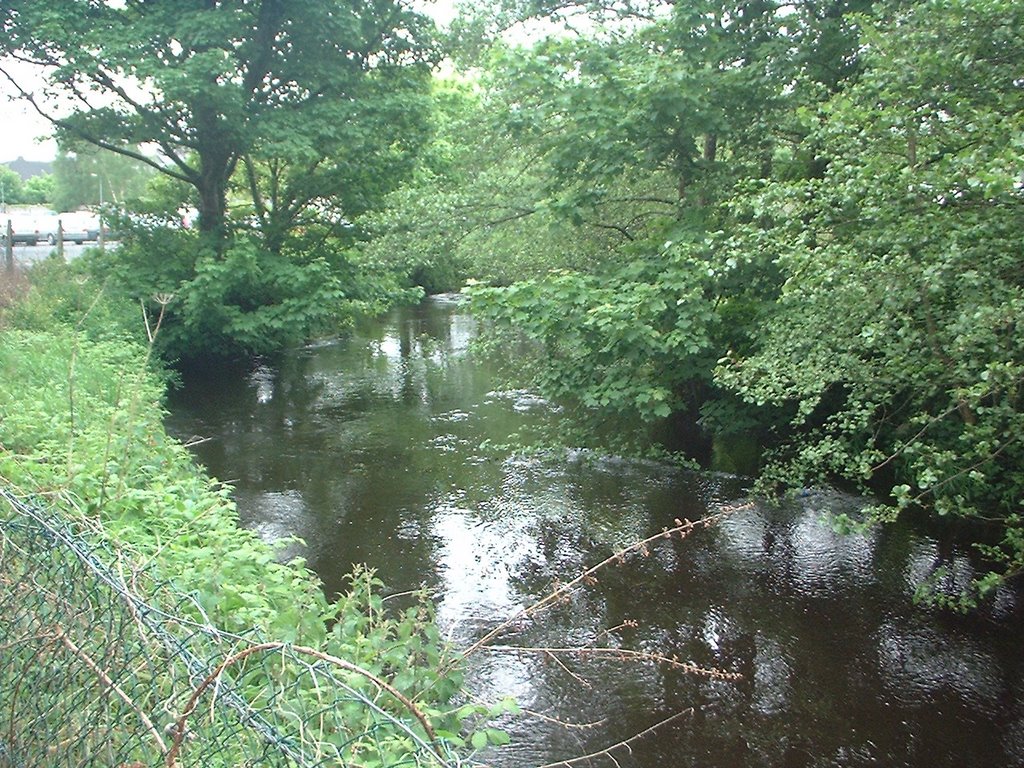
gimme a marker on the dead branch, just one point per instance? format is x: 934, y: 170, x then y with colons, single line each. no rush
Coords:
x: 553, y: 656
x: 565, y: 723
x: 682, y: 529
x: 105, y: 679
x: 621, y: 654
x: 626, y: 744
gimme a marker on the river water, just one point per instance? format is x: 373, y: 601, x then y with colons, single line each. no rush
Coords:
x: 391, y: 448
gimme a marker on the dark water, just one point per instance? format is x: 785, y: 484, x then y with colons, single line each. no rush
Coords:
x: 389, y: 449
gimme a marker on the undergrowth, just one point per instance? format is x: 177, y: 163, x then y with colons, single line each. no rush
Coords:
x: 81, y: 430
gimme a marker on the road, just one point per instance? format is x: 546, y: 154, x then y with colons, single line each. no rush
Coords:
x: 30, y: 254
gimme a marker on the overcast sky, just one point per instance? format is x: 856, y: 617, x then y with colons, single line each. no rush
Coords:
x: 22, y: 129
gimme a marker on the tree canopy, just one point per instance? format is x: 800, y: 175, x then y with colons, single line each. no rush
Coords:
x: 280, y: 121
x: 211, y: 84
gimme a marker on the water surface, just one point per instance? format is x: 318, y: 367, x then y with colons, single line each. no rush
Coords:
x: 390, y: 448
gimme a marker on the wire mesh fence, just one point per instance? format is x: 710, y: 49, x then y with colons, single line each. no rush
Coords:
x: 103, y: 668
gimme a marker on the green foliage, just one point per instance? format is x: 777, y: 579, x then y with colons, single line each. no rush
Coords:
x: 81, y: 418
x: 313, y: 174
x: 840, y: 191
x: 581, y: 153
x: 66, y: 297
x: 318, y: 96
x: 250, y: 302
x: 11, y: 191
x: 247, y: 301
x: 41, y: 189
x: 632, y: 341
x: 469, y: 209
x: 895, y: 334
x: 81, y: 425
x: 637, y: 136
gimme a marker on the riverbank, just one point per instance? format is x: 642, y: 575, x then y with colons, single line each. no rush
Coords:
x: 81, y: 432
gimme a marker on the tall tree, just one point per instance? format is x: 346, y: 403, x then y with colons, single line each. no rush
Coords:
x: 896, y: 339
x: 94, y: 176
x: 209, y: 83
x: 648, y: 134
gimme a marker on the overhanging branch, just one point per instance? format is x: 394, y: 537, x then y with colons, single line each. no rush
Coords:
x: 185, y: 173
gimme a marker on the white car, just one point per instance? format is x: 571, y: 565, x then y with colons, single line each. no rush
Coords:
x: 78, y: 227
x: 24, y: 228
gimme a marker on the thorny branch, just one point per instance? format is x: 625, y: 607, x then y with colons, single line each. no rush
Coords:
x: 626, y: 744
x: 214, y: 679
x: 620, y: 654
x: 682, y: 529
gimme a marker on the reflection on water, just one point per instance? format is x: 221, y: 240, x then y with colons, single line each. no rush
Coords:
x: 382, y: 449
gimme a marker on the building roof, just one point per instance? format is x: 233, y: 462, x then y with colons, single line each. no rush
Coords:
x: 29, y: 168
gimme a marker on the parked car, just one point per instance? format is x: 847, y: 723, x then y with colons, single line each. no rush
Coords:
x: 78, y: 227
x: 19, y: 237
x: 25, y: 230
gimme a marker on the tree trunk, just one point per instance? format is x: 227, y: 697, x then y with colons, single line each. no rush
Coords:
x: 710, y: 148
x: 708, y: 158
x: 216, y: 164
x: 213, y: 213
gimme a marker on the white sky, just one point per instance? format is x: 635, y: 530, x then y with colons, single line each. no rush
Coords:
x: 23, y: 133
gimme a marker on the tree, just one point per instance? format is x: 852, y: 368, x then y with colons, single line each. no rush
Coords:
x: 474, y: 206
x: 37, y: 190
x: 701, y: 92
x: 299, y: 114
x: 40, y: 189
x: 210, y: 84
x: 10, y: 187
x: 92, y: 176
x: 839, y: 267
x: 650, y: 135
x: 895, y: 341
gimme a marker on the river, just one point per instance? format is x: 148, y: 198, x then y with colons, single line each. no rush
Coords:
x: 392, y: 448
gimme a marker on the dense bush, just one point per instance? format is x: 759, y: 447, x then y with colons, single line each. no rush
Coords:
x: 842, y: 274
x: 247, y: 301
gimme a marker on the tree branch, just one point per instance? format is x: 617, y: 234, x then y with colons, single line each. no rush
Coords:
x: 682, y: 529
x: 102, y: 144
x: 615, y: 227
x: 620, y: 654
x: 106, y: 680
x: 625, y: 744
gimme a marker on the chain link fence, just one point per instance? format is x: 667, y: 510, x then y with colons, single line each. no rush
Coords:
x: 94, y: 674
